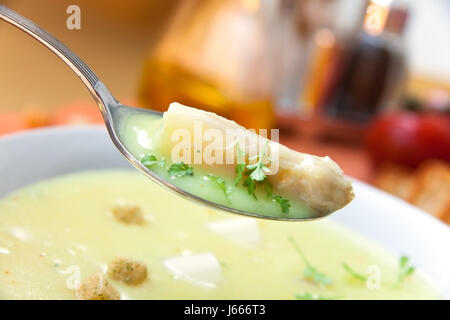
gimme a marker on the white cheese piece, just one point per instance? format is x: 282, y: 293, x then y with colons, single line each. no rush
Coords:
x: 201, y: 269
x: 245, y: 231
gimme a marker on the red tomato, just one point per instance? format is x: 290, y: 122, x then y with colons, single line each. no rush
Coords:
x: 77, y: 113
x: 409, y: 138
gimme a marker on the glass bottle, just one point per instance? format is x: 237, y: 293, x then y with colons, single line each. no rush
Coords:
x: 214, y: 56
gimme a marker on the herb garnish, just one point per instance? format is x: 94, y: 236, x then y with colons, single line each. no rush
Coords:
x: 227, y: 190
x: 240, y: 167
x: 176, y: 170
x: 180, y: 169
x: 256, y: 175
x: 258, y: 170
x: 310, y: 272
x: 268, y: 188
x: 151, y: 160
x: 405, y: 269
x: 251, y: 186
x: 284, y: 203
x: 354, y: 273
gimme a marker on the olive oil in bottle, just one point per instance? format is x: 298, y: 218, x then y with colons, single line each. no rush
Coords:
x: 214, y: 57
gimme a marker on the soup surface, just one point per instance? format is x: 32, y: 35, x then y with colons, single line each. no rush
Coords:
x: 59, y: 230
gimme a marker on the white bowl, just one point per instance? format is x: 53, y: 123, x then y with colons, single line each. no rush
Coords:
x: 401, y: 228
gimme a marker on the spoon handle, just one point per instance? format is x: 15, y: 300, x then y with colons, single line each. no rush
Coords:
x: 97, y: 89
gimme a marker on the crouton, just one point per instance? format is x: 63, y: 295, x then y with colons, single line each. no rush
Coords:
x: 427, y: 187
x: 432, y: 189
x: 129, y: 213
x: 396, y: 180
x: 128, y: 271
x: 97, y: 287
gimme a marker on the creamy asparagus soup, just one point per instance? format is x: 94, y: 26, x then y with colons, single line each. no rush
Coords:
x: 117, y: 235
x: 223, y: 162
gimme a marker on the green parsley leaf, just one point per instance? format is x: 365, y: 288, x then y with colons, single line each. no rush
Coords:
x: 310, y: 272
x: 256, y: 175
x: 227, y: 190
x: 240, y: 167
x: 151, y: 160
x: 405, y: 270
x: 284, y: 203
x: 353, y: 273
x: 258, y: 170
x: 251, y: 186
x: 268, y: 188
x: 180, y: 169
x: 312, y: 296
x: 316, y: 276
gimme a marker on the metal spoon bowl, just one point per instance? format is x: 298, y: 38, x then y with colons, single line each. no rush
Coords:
x: 113, y: 111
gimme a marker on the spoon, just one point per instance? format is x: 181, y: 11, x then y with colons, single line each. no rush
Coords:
x: 114, y: 112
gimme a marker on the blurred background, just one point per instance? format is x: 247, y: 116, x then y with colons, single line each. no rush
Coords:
x: 366, y: 82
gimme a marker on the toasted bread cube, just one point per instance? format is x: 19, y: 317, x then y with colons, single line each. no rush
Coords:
x: 395, y: 179
x: 432, y: 189
x: 129, y: 213
x: 128, y: 271
x: 97, y: 287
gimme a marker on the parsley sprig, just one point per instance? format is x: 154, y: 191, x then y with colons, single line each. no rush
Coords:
x: 151, y: 160
x: 250, y: 184
x: 311, y: 273
x: 175, y: 170
x: 180, y: 169
x: 284, y: 203
x: 258, y: 170
x: 240, y: 167
x: 255, y: 174
x: 227, y: 190
x: 405, y: 269
x: 268, y: 188
x: 354, y: 273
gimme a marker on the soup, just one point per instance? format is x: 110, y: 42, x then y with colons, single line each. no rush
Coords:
x: 108, y: 226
